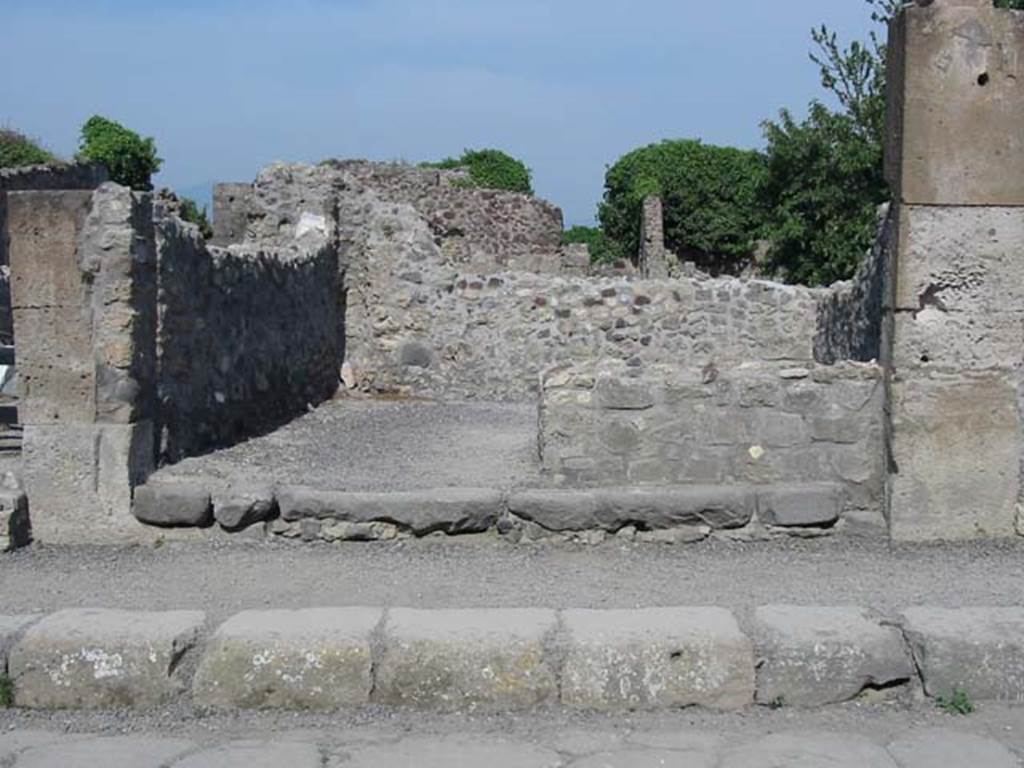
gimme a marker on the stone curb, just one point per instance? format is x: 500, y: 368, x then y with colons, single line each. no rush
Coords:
x: 510, y: 659
x: 311, y: 513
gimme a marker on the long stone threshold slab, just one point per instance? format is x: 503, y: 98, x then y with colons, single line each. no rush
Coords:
x: 509, y: 660
x: 660, y: 514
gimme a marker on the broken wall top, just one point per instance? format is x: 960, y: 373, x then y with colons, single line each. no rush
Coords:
x: 956, y: 104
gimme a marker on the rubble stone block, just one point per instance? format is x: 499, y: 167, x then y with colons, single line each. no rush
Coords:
x: 449, y: 510
x: 173, y: 504
x: 979, y: 651
x: 317, y: 659
x: 810, y: 656
x: 468, y: 659
x: 656, y: 658
x: 102, y: 659
x: 819, y: 504
x: 236, y: 508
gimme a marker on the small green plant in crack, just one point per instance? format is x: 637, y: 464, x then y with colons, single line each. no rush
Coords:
x: 6, y: 692
x: 777, y: 703
x: 957, y: 703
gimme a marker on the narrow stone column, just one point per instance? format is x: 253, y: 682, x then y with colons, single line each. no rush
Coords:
x: 653, y: 261
x: 955, y: 301
x: 84, y: 297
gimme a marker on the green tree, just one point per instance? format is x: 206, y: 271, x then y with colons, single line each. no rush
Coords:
x: 594, y: 239
x: 130, y: 159
x: 491, y: 169
x: 17, y: 150
x: 709, y: 195
x: 192, y: 213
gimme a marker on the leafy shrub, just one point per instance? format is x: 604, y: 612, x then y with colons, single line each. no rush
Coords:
x: 6, y: 692
x: 594, y: 239
x: 17, y: 150
x: 192, y: 213
x: 490, y: 169
x: 130, y: 159
x: 709, y: 196
x: 957, y: 703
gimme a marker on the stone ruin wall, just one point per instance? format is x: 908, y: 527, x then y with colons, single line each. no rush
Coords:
x: 247, y: 339
x: 36, y: 177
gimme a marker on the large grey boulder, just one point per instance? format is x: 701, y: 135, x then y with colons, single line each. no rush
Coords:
x: 172, y: 505
x: 449, y: 510
x: 815, y: 656
x: 305, y: 659
x: 611, y: 509
x: 102, y: 659
x: 656, y: 658
x: 979, y: 651
x: 468, y: 659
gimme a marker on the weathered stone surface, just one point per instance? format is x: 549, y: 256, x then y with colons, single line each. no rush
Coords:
x: 453, y: 752
x: 653, y: 658
x: 79, y: 480
x: 306, y: 659
x: 102, y: 659
x: 808, y: 750
x: 236, y: 508
x: 15, y: 526
x: 11, y: 628
x: 956, y: 449
x: 109, y: 752
x: 611, y: 509
x: 467, y: 659
x: 954, y: 94
x: 819, y: 504
x: 172, y: 505
x: 940, y: 746
x: 451, y: 510
x: 647, y: 758
x: 811, y: 656
x: 979, y: 651
x: 231, y: 203
x: 256, y: 754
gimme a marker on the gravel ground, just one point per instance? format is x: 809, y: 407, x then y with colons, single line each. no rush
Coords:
x: 381, y: 445
x: 223, y: 576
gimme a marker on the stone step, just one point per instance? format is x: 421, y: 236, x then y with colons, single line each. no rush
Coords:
x: 656, y: 513
x: 507, y: 660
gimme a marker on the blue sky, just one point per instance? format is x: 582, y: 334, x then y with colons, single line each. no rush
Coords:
x: 227, y: 86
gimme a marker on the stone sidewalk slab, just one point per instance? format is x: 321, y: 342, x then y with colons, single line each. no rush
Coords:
x: 102, y: 659
x: 941, y: 747
x: 452, y: 511
x: 979, y: 651
x: 318, y: 659
x: 808, y: 750
x: 811, y: 656
x: 451, y: 752
x: 467, y: 659
x: 255, y: 754
x: 106, y: 752
x: 656, y: 658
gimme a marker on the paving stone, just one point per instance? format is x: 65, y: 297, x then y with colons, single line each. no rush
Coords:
x: 256, y: 754
x: 810, y: 505
x: 808, y: 750
x: 178, y: 504
x: 648, y: 758
x: 657, y: 657
x: 10, y: 628
x: 678, y: 741
x: 979, y: 651
x: 112, y: 752
x: 449, y: 510
x: 467, y: 659
x: 102, y: 659
x: 581, y: 742
x: 13, y: 743
x: 236, y: 508
x: 452, y: 752
x: 611, y: 509
x: 810, y: 656
x: 940, y: 747
x: 306, y: 659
